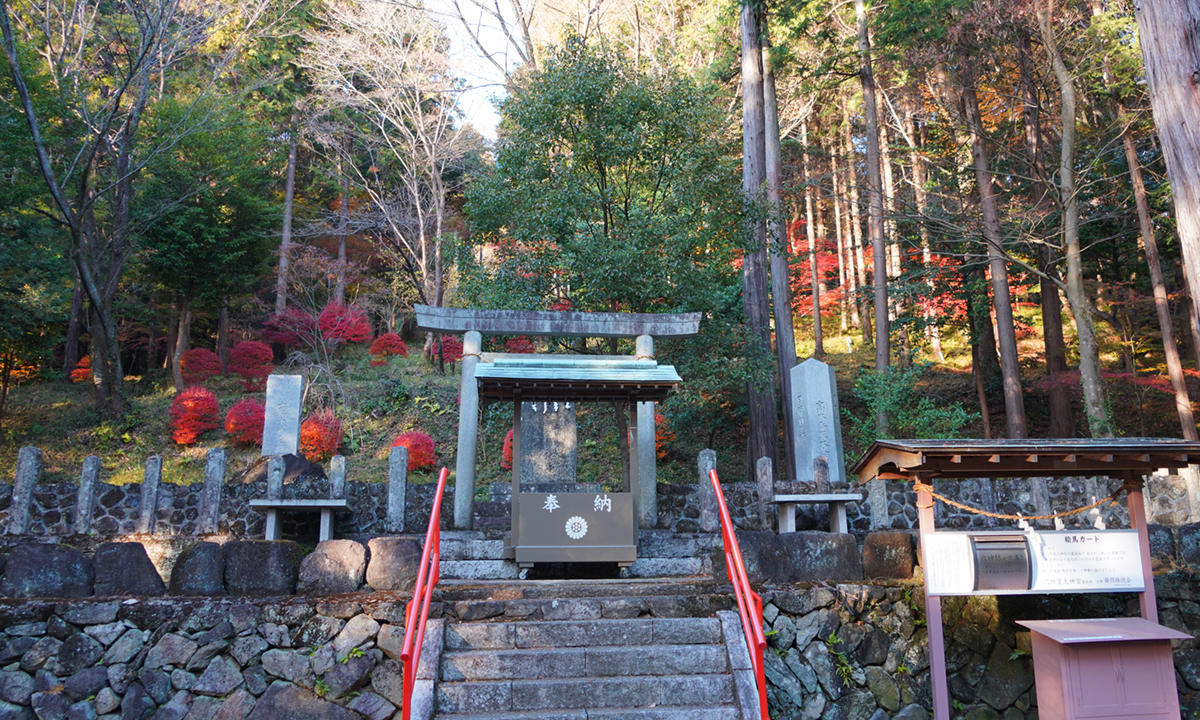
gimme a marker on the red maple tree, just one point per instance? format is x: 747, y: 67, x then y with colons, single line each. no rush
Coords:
x: 244, y: 421
x: 193, y: 413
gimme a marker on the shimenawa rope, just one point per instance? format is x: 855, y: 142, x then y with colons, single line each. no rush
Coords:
x: 920, y: 486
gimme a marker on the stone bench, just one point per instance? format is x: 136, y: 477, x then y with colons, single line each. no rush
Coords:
x: 325, y: 507
x: 837, y: 509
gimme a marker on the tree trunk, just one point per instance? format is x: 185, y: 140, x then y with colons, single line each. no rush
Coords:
x: 182, y: 340
x: 916, y: 140
x: 781, y: 292
x: 875, y: 194
x: 857, y: 267
x: 1089, y: 349
x: 1171, y: 56
x: 74, y: 326
x: 810, y: 233
x: 285, y: 236
x: 1183, y: 403
x: 223, y: 334
x: 982, y: 331
x: 339, y: 292
x: 1062, y: 419
x: 152, y: 337
x: 761, y: 400
x: 840, y: 239
x: 172, y: 331
x: 1014, y: 401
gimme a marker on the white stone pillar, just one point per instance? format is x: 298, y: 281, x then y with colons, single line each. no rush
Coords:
x: 468, y: 434
x: 647, y: 474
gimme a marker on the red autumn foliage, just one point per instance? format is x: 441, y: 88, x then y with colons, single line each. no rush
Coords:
x: 506, y: 455
x: 198, y: 365
x: 320, y: 435
x: 663, y: 434
x: 385, y: 346
x: 420, y: 446
x: 519, y: 344
x: 292, y: 327
x: 451, y: 349
x: 193, y: 413
x: 561, y: 305
x: 83, y: 370
x: 1070, y: 379
x: 244, y: 421
x: 344, y: 324
x: 254, y: 361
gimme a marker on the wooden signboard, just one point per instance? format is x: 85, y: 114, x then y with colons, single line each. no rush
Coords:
x: 1071, y: 561
x: 575, y: 527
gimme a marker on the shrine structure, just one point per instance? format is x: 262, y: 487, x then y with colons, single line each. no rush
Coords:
x: 564, y: 526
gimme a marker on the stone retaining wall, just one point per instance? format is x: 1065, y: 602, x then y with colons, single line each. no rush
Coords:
x: 862, y: 652
x: 218, y: 507
x: 836, y: 652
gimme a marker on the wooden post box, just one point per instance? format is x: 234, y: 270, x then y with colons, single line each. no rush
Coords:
x: 1104, y: 668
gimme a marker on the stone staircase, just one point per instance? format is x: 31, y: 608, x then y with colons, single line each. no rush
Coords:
x: 593, y: 650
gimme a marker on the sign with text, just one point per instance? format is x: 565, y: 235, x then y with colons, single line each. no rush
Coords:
x: 1067, y: 561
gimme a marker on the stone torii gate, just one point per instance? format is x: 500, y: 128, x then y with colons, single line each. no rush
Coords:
x: 473, y: 324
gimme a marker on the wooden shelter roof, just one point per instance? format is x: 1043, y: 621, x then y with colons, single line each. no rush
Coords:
x: 958, y: 459
x: 539, y: 378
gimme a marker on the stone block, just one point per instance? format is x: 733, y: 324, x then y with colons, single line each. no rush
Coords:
x: 39, y: 570
x: 284, y: 701
x: 171, y: 649
x: 126, y: 569
x: 1005, y: 679
x: 1163, y: 553
x: 259, y: 568
x: 234, y: 707
x: 219, y: 679
x: 335, y: 567
x: 393, y: 563
x: 765, y: 556
x: 822, y: 556
x: 16, y: 687
x: 199, y: 571
x: 78, y: 652
x: 888, y: 555
x: 1189, y: 544
x: 137, y: 704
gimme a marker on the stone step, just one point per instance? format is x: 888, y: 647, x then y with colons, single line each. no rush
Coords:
x: 572, y: 693
x: 583, y: 633
x: 675, y: 712
x: 583, y: 662
x: 596, y: 608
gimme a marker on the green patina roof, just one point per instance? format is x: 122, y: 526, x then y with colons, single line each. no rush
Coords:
x: 542, y: 377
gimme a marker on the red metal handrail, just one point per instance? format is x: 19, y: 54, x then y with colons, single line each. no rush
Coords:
x: 749, y: 602
x: 417, y: 610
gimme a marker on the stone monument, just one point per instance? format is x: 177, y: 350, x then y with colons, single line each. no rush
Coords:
x: 818, y: 426
x: 549, y: 444
x: 281, y: 428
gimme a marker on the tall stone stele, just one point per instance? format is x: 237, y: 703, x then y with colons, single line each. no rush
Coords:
x: 818, y: 428
x: 281, y: 428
